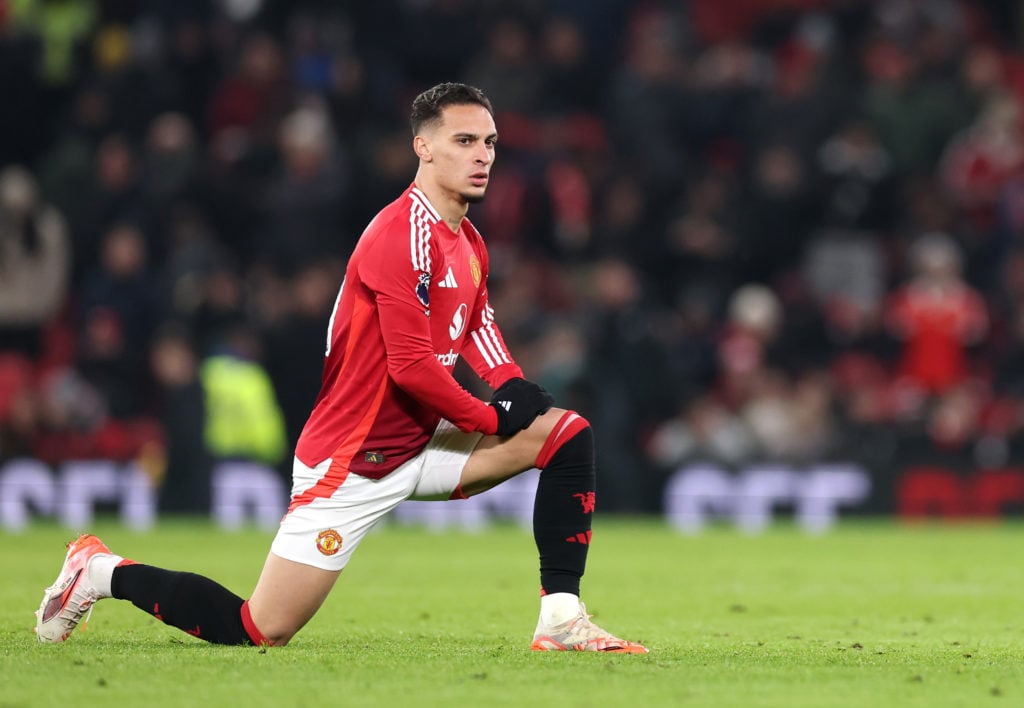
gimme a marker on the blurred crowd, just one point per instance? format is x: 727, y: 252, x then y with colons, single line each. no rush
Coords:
x: 743, y: 230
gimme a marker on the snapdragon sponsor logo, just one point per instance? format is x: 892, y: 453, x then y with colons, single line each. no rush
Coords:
x: 458, y: 324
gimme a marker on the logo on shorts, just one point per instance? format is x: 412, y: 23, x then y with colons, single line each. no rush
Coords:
x: 328, y: 542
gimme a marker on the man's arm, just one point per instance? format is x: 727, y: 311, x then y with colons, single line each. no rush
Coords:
x: 414, y: 368
x: 516, y: 400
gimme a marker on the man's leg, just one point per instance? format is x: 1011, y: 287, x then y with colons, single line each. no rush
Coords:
x: 193, y: 603
x: 560, y: 443
x: 323, y: 528
x: 286, y: 597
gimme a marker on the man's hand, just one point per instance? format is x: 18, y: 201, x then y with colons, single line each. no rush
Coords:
x: 517, y: 402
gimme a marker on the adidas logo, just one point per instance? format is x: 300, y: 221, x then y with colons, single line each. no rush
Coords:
x: 507, y: 405
x: 449, y: 280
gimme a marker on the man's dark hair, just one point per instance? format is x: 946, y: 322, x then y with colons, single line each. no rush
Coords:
x: 427, y: 107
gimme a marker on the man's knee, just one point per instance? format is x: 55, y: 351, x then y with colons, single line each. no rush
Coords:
x: 566, y: 428
x: 280, y: 639
x: 267, y: 629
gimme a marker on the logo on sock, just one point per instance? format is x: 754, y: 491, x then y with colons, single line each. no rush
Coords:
x: 581, y: 538
x: 588, y: 501
x: 328, y: 542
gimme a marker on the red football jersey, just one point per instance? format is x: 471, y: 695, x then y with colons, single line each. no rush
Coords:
x: 413, y: 301
x: 938, y: 324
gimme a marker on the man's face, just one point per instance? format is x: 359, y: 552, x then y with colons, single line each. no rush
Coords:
x: 462, y: 150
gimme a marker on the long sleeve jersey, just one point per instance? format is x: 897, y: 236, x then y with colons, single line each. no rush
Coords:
x: 413, y: 301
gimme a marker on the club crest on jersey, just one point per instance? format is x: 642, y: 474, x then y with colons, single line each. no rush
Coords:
x: 474, y: 270
x: 423, y: 290
x: 328, y: 542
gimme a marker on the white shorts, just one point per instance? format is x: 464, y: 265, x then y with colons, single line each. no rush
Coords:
x: 326, y: 532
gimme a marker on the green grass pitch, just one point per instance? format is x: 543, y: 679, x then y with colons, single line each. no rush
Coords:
x: 869, y: 614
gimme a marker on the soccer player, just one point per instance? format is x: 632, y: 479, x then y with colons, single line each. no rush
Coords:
x: 391, y: 423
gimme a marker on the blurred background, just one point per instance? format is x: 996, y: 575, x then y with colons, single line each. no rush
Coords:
x: 772, y: 249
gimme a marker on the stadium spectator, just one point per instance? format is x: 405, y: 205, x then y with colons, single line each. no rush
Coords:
x: 745, y: 343
x: 293, y: 337
x: 781, y: 212
x: 217, y: 302
x: 624, y: 376
x: 243, y: 420
x: 171, y: 165
x: 113, y: 196
x: 855, y: 185
x: 190, y: 66
x: 937, y: 315
x: 245, y: 107
x: 19, y: 407
x: 645, y: 104
x: 66, y: 166
x: 845, y: 272
x: 184, y: 482
x: 914, y: 115
x: 306, y: 197
x: 704, y: 429
x: 700, y: 246
x: 34, y: 263
x: 507, y: 69
x: 979, y: 161
x: 118, y: 310
x: 570, y: 84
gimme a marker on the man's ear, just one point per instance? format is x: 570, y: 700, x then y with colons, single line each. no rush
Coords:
x: 421, y: 148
